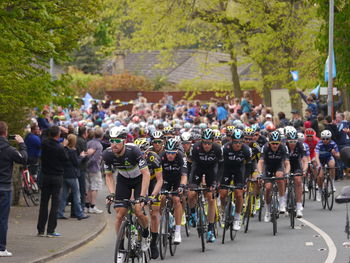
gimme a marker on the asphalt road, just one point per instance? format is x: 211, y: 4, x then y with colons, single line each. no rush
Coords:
x: 318, y: 239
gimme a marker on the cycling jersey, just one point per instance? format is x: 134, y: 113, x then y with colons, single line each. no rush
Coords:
x: 274, y: 161
x: 205, y: 163
x: 234, y: 162
x: 312, y: 145
x: 262, y: 140
x: 173, y: 170
x: 295, y: 157
x: 307, y: 149
x: 324, y: 151
x: 154, y: 163
x: 128, y: 165
x: 250, y: 166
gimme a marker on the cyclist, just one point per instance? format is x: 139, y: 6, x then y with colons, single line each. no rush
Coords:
x: 326, y: 149
x: 311, y: 140
x: 157, y: 140
x: 205, y: 156
x: 274, y: 161
x: 186, y: 141
x: 174, y: 166
x: 235, y: 155
x: 168, y: 132
x: 259, y: 138
x: 229, y: 132
x: 155, y: 169
x: 298, y: 165
x: 250, y: 167
x: 133, y: 174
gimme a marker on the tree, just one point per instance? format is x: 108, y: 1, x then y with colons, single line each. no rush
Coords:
x: 31, y: 33
x: 341, y: 42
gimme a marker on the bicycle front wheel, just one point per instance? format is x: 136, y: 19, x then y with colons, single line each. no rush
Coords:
x: 163, y: 234
x: 201, y: 226
x: 291, y: 207
x: 274, y: 213
x: 123, y: 239
x: 330, y: 194
x: 247, y: 213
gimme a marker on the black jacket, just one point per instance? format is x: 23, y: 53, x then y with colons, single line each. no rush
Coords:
x: 72, y: 164
x: 8, y: 155
x: 53, y: 158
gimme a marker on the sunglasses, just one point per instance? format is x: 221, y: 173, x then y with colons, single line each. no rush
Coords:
x: 157, y: 141
x: 325, y: 139
x: 171, y: 152
x: 292, y: 141
x: 207, y: 143
x: 309, y: 136
x: 274, y: 143
x: 237, y: 142
x: 116, y: 141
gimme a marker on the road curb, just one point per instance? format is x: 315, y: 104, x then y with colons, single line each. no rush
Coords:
x: 75, y: 245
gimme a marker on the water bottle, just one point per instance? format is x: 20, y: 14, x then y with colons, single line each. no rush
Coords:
x: 171, y: 221
x: 233, y: 209
x: 134, y: 236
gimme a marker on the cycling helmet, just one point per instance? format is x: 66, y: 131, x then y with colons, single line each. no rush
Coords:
x: 310, y: 132
x: 326, y: 134
x: 207, y: 134
x: 237, y: 134
x: 291, y: 134
x: 270, y: 127
x: 142, y: 143
x: 217, y: 135
x: 118, y: 132
x: 248, y: 131
x: 171, y: 145
x: 196, y: 136
x: 203, y: 126
x: 168, y: 130
x: 214, y: 127
x: 274, y: 136
x: 255, y: 127
x: 187, y: 125
x: 301, y: 136
x: 157, y: 135
x: 230, y: 129
x: 186, y: 136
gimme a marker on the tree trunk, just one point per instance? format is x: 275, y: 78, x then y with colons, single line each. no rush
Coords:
x: 235, y: 77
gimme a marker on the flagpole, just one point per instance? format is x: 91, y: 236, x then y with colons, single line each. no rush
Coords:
x: 330, y: 59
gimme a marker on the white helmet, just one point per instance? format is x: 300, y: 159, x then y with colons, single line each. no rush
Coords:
x: 326, y: 134
x: 301, y: 136
x: 118, y: 132
x: 186, y: 136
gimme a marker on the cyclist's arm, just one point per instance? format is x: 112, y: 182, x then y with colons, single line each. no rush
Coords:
x: 159, y: 178
x: 304, y: 163
x: 317, y: 159
x: 286, y: 166
x: 145, y: 181
x: 110, y: 182
x: 260, y: 166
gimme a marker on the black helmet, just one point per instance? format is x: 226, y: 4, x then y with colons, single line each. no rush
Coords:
x: 171, y: 145
x: 274, y: 136
x: 207, y: 134
x: 237, y: 134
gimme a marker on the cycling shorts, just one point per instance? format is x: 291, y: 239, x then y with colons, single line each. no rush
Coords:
x: 233, y: 174
x: 325, y: 161
x: 210, y: 175
x: 124, y: 189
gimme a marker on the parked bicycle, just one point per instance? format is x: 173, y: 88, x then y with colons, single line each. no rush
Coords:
x: 30, y: 188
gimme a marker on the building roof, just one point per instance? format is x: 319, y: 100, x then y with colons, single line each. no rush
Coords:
x: 187, y: 64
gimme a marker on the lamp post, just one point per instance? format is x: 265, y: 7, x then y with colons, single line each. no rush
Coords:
x: 330, y: 59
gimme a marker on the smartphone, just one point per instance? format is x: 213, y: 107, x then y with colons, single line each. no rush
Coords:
x: 12, y: 137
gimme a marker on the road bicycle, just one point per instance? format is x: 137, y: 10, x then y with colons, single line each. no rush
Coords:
x: 30, y: 188
x: 202, y: 220
x: 327, y: 189
x: 249, y: 208
x: 167, y: 225
x: 310, y: 183
x: 129, y: 237
x: 274, y: 200
x: 229, y: 212
x: 291, y: 198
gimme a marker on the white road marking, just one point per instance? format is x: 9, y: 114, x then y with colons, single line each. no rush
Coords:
x: 309, y: 244
x: 331, y: 246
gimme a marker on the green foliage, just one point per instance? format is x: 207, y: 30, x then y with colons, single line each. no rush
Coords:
x: 341, y: 39
x: 31, y: 33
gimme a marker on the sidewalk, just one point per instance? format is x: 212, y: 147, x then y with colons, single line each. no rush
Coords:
x: 27, y: 247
